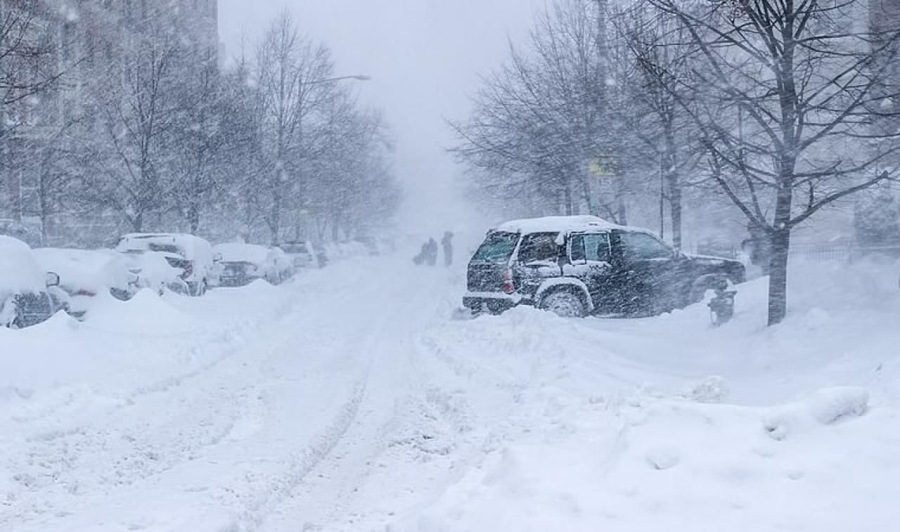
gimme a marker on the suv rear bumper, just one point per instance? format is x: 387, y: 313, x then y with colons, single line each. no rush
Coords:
x: 492, y: 301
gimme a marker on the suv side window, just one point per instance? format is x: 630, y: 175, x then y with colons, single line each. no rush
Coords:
x: 539, y: 247
x: 641, y: 246
x: 593, y: 247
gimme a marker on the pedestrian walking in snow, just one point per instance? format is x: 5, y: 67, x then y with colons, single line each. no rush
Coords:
x: 447, y: 244
x: 432, y: 252
x: 422, y: 257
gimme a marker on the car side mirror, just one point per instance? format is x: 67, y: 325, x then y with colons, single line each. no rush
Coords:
x: 52, y: 279
x: 217, y: 257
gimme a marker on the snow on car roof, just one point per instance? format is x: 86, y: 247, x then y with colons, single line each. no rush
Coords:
x: 237, y: 252
x: 143, y: 240
x: 84, y: 269
x: 557, y: 224
x: 19, y: 271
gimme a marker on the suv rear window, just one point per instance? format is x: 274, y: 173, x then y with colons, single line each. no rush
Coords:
x: 497, y: 247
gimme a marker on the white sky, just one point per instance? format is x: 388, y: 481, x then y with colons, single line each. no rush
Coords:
x: 424, y: 57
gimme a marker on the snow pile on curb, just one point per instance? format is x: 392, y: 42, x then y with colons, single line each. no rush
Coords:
x: 668, y: 464
x: 668, y: 424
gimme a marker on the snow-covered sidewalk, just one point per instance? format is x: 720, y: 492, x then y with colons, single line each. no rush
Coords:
x: 349, y: 400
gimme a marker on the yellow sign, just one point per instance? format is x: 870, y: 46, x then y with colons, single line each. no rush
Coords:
x: 602, y: 167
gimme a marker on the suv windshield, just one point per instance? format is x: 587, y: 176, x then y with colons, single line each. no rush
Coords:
x: 641, y: 246
x: 497, y: 247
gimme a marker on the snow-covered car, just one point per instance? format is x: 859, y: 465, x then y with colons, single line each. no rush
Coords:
x: 86, y: 273
x: 579, y: 265
x: 240, y: 264
x: 154, y: 272
x: 25, y: 289
x: 304, y: 254
x: 191, y: 255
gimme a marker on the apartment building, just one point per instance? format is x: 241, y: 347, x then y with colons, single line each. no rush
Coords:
x: 75, y: 46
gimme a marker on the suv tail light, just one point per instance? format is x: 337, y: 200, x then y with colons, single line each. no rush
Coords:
x: 508, y: 286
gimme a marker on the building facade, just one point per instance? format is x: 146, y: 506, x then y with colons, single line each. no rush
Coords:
x: 76, y: 50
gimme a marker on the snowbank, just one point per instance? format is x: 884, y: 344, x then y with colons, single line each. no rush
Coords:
x: 670, y: 424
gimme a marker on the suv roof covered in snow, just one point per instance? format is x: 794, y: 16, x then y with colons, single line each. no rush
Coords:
x: 561, y: 224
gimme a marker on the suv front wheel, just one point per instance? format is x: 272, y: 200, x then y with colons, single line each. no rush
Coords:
x: 564, y: 304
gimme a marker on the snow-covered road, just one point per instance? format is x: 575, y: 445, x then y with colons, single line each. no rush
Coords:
x: 349, y: 400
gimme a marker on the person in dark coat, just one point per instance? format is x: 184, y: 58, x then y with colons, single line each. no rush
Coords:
x: 447, y: 244
x: 432, y: 248
x: 419, y: 259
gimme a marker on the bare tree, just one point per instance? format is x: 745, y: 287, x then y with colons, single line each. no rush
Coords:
x: 537, y: 122
x: 352, y: 184
x: 662, y: 54
x: 199, y: 142
x: 790, y: 91
x: 28, y: 71
x: 291, y: 81
x: 137, y: 114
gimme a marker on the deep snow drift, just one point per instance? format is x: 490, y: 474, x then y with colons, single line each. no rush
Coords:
x: 349, y: 400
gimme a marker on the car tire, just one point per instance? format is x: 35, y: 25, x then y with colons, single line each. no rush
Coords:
x: 564, y: 304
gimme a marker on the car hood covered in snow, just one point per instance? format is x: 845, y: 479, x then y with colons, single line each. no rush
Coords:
x: 93, y: 270
x: 236, y: 252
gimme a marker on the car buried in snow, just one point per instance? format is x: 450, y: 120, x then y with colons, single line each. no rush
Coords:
x: 304, y: 254
x: 241, y: 264
x: 191, y: 255
x: 85, y: 274
x: 580, y: 265
x: 28, y: 294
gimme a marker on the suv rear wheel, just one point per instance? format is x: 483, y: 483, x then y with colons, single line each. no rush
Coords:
x: 564, y: 304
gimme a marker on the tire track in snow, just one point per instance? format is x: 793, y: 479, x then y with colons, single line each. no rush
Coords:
x: 406, y: 416
x: 108, y: 446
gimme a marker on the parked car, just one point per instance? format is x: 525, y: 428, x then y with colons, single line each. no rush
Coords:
x: 86, y: 273
x: 26, y: 297
x: 580, y: 265
x: 154, y: 272
x: 190, y: 254
x: 241, y: 264
x: 304, y: 254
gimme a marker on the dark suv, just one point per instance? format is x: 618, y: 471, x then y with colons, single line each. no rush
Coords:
x: 580, y: 265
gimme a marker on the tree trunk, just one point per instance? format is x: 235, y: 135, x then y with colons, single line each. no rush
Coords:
x: 778, y: 262
x: 673, y: 180
x: 621, y: 211
x: 194, y: 216
x: 675, y: 208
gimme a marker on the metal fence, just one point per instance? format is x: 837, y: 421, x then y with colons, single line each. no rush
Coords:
x: 816, y: 251
x: 845, y: 252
